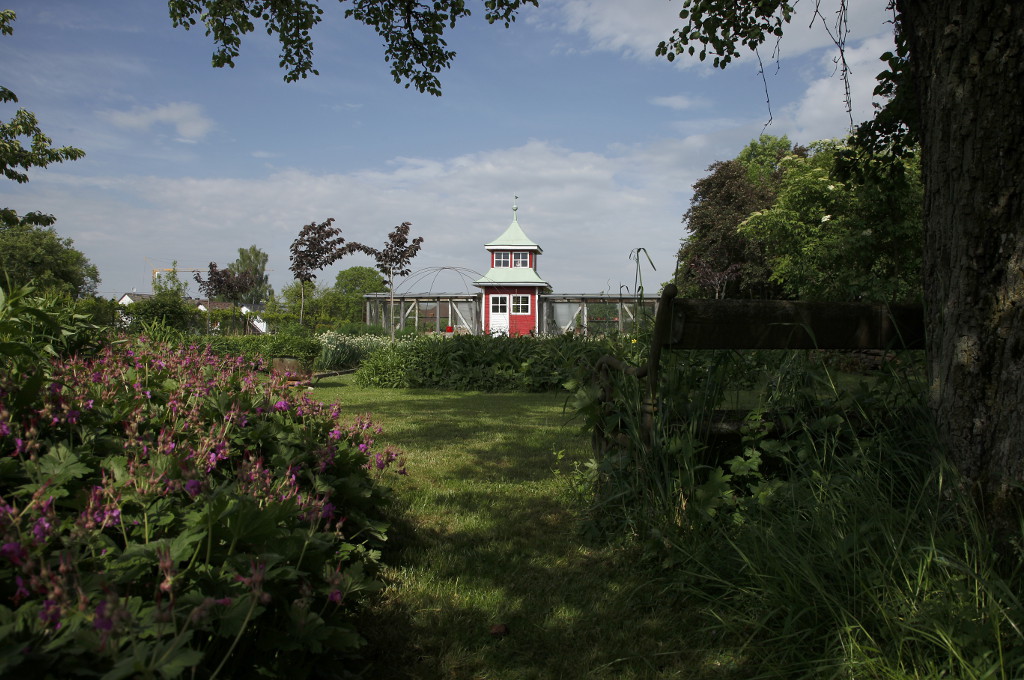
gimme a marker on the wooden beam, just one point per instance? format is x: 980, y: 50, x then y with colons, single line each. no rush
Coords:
x: 776, y: 324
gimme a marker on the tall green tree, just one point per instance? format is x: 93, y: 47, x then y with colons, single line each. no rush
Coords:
x: 351, y: 285
x: 30, y: 249
x: 842, y: 240
x: 38, y: 256
x: 168, y: 306
x: 251, y: 266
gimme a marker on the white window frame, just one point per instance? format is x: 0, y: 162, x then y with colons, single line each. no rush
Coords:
x: 499, y: 304
x: 520, y: 304
x: 502, y: 259
x: 520, y: 259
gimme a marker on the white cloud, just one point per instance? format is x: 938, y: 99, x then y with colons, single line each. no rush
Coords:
x: 186, y: 118
x: 635, y: 28
x: 820, y: 112
x: 588, y: 210
x: 680, y: 102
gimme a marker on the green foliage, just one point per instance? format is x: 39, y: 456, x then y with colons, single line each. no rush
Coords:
x: 164, y: 511
x: 322, y: 307
x: 828, y: 239
x: 479, y: 362
x: 167, y: 308
x: 15, y: 158
x: 31, y: 252
x: 413, y: 36
x: 251, y: 265
x: 763, y: 156
x: 351, y: 285
x: 715, y: 259
x: 260, y: 348
x: 811, y: 514
x: 717, y: 28
x: 38, y: 256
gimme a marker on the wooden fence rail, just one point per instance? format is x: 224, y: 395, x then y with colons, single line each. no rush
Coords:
x: 764, y: 324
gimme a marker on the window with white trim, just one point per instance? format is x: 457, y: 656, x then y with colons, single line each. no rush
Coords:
x: 521, y: 259
x: 501, y: 259
x: 520, y: 304
x: 499, y: 304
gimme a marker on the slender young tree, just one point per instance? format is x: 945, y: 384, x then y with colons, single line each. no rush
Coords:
x: 317, y: 246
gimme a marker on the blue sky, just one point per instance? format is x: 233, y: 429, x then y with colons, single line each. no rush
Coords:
x: 568, y: 109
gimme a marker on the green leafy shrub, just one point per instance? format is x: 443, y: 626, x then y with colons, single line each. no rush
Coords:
x: 261, y: 347
x: 479, y: 362
x: 167, y: 510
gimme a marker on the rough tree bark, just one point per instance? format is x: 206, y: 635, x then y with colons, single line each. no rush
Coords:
x: 967, y: 61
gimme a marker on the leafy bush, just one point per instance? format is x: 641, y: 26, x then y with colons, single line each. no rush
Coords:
x: 165, y: 510
x: 261, y: 347
x: 480, y: 362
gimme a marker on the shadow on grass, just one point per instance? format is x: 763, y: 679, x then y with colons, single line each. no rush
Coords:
x: 482, y: 537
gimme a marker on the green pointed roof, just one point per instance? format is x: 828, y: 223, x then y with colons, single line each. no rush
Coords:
x: 514, y: 237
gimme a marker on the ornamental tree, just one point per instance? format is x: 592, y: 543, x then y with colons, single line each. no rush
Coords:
x: 316, y: 247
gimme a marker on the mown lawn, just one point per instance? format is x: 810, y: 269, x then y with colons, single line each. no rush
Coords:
x: 487, y: 575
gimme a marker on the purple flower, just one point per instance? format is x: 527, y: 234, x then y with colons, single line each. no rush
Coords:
x: 41, y: 529
x: 50, y: 613
x: 101, y: 621
x: 22, y: 592
x: 14, y: 551
x: 281, y: 405
x: 193, y: 487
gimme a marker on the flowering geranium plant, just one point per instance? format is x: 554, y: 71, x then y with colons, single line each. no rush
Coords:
x: 164, y: 509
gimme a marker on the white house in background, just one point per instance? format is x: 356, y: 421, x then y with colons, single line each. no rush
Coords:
x: 202, y: 305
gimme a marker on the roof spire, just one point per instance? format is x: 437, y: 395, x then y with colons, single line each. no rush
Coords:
x: 515, y: 207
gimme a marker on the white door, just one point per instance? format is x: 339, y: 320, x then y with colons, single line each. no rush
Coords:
x: 499, y: 314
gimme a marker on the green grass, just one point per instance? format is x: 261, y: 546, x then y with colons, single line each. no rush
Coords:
x: 485, y: 533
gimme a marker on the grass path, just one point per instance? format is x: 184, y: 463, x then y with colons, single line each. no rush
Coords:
x: 484, y: 536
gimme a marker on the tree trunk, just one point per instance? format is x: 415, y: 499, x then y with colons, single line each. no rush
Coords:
x: 967, y: 62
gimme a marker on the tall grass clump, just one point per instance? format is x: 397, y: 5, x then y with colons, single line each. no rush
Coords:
x: 814, y: 518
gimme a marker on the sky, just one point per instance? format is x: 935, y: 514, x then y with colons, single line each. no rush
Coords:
x: 568, y: 110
